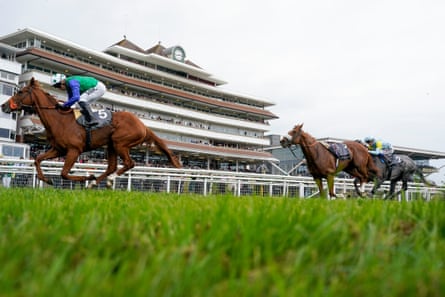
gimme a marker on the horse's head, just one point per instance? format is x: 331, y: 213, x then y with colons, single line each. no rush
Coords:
x: 295, y: 134
x: 22, y: 98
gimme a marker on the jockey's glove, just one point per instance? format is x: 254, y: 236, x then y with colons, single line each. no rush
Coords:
x: 61, y: 107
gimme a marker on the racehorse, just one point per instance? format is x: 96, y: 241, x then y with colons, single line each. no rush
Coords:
x: 403, y: 169
x: 69, y: 139
x: 322, y: 164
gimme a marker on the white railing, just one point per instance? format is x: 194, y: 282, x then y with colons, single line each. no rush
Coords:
x: 204, y: 182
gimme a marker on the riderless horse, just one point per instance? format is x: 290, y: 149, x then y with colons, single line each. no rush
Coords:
x: 323, y: 164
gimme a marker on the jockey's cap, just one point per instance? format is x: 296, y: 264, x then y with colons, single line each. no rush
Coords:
x: 57, y: 78
x: 369, y: 139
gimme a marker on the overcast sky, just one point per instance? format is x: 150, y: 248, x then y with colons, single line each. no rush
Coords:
x: 344, y: 68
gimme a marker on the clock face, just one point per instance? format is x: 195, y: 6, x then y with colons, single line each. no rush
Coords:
x: 178, y: 54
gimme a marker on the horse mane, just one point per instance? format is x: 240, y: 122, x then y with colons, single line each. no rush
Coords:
x: 36, y: 84
x: 50, y: 96
x: 308, y: 136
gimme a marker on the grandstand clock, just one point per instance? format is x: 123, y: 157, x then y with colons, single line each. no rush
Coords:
x: 178, y: 54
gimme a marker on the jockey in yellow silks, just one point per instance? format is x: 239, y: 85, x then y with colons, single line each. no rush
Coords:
x: 380, y: 148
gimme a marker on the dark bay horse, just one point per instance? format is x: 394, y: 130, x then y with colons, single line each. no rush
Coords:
x: 322, y: 164
x: 403, y: 170
x: 69, y: 139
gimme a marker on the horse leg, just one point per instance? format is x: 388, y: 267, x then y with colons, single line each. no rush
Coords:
x: 124, y: 153
x: 361, y: 174
x: 359, y: 189
x: 392, y: 188
x: 70, y: 159
x: 404, y: 187
x: 377, y: 183
x: 319, y: 183
x: 112, y: 166
x: 362, y: 188
x: 128, y: 163
x: 50, y: 154
x: 330, y: 180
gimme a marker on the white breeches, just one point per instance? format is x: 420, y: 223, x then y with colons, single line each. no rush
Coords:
x: 93, y: 94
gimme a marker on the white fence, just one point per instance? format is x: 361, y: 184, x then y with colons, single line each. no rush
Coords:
x: 204, y: 182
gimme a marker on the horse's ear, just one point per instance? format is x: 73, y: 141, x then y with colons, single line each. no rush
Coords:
x: 34, y: 83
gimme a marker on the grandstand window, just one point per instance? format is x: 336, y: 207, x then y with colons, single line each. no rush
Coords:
x: 6, y: 89
x: 4, y: 133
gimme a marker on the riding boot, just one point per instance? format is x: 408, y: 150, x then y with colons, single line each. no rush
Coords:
x: 88, y: 114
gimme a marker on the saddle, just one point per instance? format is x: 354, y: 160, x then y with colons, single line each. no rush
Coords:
x: 339, y: 150
x: 104, y: 117
x: 395, y: 160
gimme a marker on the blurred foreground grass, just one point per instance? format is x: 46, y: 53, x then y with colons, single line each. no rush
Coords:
x: 105, y: 243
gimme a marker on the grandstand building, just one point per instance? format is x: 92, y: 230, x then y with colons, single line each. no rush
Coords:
x: 204, y: 124
x: 10, y: 70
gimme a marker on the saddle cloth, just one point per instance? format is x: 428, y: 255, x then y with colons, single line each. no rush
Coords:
x: 339, y: 150
x: 395, y: 160
x: 104, y: 117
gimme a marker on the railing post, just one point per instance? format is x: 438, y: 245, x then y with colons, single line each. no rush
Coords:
x: 284, y: 189
x: 129, y: 181
x: 168, y: 184
x: 301, y: 190
x: 179, y: 185
x: 34, y: 177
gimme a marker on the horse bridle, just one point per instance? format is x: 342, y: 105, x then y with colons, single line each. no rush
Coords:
x: 291, y: 142
x: 32, y: 105
x: 20, y: 105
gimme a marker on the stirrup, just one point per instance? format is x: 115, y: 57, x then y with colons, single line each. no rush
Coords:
x: 92, y: 123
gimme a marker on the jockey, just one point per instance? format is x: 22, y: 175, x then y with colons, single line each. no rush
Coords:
x: 80, y: 89
x: 380, y: 148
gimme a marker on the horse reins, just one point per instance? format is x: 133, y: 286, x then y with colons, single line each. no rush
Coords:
x: 30, y: 94
x: 304, y: 145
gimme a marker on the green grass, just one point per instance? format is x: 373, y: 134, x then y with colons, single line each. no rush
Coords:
x: 105, y: 243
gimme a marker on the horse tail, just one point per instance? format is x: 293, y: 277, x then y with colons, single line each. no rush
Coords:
x: 422, y: 177
x: 152, y: 138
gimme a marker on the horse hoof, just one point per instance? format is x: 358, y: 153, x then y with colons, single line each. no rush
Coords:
x: 92, y: 184
x: 110, y: 180
x: 50, y: 182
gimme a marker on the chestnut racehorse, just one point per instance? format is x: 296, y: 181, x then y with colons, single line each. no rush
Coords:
x: 69, y: 139
x: 323, y: 164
